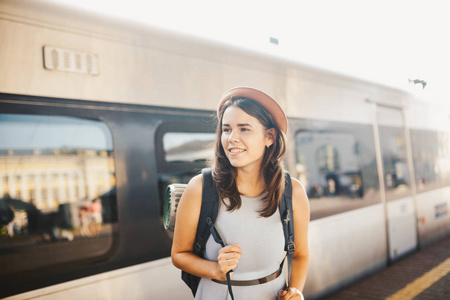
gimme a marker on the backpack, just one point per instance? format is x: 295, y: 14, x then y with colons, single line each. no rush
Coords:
x: 208, y: 215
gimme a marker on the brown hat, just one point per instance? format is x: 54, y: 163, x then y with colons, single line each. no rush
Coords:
x: 262, y: 98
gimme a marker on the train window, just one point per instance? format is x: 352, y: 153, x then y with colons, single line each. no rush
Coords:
x: 188, y: 146
x: 396, y: 175
x: 186, y: 153
x: 337, y: 167
x: 431, y: 155
x: 395, y: 166
x: 57, y: 191
x: 183, y: 150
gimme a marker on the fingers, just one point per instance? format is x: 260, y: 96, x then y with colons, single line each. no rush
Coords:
x: 228, y: 258
x: 289, y: 294
x: 281, y: 294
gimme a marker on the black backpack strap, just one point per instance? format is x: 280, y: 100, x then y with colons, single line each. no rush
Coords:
x: 287, y: 220
x: 208, y: 214
x: 216, y: 236
x: 209, y: 211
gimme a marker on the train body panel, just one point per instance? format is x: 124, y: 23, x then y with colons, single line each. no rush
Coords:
x: 433, y: 207
x: 96, y: 110
x: 127, y: 283
x: 155, y: 73
x: 345, y: 235
x: 402, y: 230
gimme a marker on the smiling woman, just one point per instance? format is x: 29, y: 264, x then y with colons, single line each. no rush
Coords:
x: 244, y: 142
x: 259, y: 129
x: 250, y: 181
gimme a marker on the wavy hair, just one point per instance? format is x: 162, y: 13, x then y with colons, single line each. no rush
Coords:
x: 225, y: 174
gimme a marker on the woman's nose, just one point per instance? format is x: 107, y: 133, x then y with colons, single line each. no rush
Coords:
x: 234, y: 136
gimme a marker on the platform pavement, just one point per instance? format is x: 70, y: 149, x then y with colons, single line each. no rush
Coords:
x: 423, y: 275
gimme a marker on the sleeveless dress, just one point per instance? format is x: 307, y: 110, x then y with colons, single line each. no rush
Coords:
x: 261, y: 239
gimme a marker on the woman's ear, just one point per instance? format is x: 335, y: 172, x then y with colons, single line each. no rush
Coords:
x: 271, y: 135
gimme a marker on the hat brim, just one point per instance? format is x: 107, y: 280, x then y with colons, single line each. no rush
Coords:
x: 262, y: 98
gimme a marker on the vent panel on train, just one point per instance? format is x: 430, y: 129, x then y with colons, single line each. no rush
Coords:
x: 59, y: 59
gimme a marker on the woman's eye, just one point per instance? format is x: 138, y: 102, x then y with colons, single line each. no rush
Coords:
x: 225, y: 130
x: 244, y: 129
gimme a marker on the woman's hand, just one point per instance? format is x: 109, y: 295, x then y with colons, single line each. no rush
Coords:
x: 228, y: 260
x: 291, y: 294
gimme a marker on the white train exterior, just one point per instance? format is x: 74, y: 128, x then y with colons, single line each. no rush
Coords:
x: 375, y: 160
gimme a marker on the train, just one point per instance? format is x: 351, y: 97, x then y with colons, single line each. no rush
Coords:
x: 99, y: 115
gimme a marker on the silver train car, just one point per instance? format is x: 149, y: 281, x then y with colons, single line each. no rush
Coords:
x: 98, y: 116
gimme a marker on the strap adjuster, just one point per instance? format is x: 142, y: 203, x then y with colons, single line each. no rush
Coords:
x: 197, y: 247
x: 290, y: 248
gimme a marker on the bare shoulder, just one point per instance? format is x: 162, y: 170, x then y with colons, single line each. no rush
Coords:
x: 190, y: 205
x: 297, y: 188
x: 193, y: 190
x: 299, y: 197
x: 196, y: 183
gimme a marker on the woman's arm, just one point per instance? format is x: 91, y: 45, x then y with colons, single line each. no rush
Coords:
x: 188, y: 213
x: 300, y: 258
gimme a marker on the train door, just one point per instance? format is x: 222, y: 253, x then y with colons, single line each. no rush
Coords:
x: 397, y: 182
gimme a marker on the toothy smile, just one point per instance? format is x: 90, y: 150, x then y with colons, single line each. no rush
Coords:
x: 236, y: 150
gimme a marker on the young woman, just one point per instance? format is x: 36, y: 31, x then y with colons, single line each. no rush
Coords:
x: 250, y: 181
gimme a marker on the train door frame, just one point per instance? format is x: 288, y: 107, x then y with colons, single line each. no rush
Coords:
x: 378, y: 106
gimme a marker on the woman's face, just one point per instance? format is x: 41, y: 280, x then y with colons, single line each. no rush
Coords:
x: 244, y: 138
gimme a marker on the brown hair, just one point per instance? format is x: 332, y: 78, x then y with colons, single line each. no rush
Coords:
x: 272, y: 166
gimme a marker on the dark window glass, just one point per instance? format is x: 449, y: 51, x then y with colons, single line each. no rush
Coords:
x: 336, y: 163
x: 57, y: 191
x: 186, y: 148
x: 431, y: 154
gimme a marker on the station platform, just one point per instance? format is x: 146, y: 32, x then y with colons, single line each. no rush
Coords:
x: 421, y: 275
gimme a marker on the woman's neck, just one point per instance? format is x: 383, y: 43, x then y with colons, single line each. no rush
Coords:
x: 250, y: 183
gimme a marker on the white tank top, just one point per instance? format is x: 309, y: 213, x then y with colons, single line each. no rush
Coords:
x: 261, y: 239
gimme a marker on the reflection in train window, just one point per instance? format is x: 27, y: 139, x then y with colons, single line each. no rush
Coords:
x: 431, y: 156
x: 337, y: 177
x: 327, y: 158
x: 190, y: 151
x: 57, y: 191
x: 186, y: 154
x: 326, y: 176
x: 395, y: 166
x: 188, y: 146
